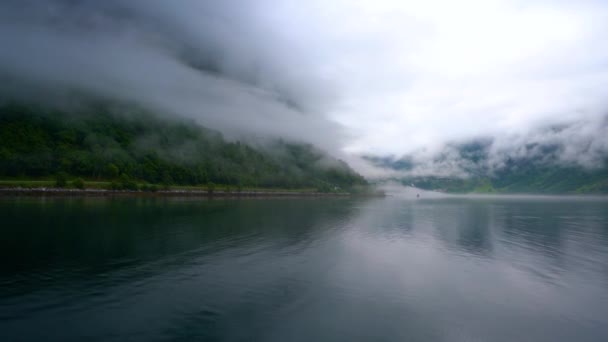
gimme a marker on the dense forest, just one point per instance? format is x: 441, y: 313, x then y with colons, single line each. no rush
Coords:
x: 102, y: 143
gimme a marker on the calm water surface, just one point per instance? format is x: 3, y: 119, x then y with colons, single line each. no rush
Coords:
x: 485, y: 269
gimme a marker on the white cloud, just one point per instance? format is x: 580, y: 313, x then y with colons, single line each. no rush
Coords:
x: 417, y: 74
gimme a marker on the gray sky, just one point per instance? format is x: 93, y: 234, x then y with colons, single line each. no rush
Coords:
x: 382, y: 77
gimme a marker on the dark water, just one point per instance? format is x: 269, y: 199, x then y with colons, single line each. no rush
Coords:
x: 527, y: 269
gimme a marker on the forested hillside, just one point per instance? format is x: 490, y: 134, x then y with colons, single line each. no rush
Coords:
x: 106, y: 144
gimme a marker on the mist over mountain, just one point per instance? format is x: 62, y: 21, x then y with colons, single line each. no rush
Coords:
x: 557, y: 159
x: 218, y: 62
x: 416, y: 80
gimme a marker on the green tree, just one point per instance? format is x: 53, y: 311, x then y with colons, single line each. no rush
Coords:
x: 78, y: 183
x: 112, y: 171
x: 61, y: 180
x: 126, y: 183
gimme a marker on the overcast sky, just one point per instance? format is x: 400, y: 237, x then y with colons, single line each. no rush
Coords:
x: 382, y: 77
x: 417, y: 73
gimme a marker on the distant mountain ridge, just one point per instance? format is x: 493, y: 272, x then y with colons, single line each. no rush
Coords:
x: 541, y: 172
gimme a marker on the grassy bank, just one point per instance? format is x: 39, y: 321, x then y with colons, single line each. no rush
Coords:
x: 134, y: 186
x: 77, y: 187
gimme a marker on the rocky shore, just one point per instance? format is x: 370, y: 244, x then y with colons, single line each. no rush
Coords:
x: 167, y: 193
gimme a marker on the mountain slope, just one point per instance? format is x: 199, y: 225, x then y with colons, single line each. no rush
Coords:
x: 539, y: 173
x: 103, y: 143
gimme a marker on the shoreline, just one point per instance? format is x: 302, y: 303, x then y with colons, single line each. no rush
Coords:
x: 162, y: 193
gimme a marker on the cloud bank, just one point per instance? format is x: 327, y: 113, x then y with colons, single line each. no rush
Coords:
x: 384, y: 77
x: 220, y: 62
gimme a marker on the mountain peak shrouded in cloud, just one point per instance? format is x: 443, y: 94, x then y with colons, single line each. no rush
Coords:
x: 582, y: 144
x: 383, y: 77
x: 220, y: 62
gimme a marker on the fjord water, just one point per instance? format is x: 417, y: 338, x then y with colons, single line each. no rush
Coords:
x: 386, y: 269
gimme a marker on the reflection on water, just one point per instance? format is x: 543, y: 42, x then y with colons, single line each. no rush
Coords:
x: 453, y: 269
